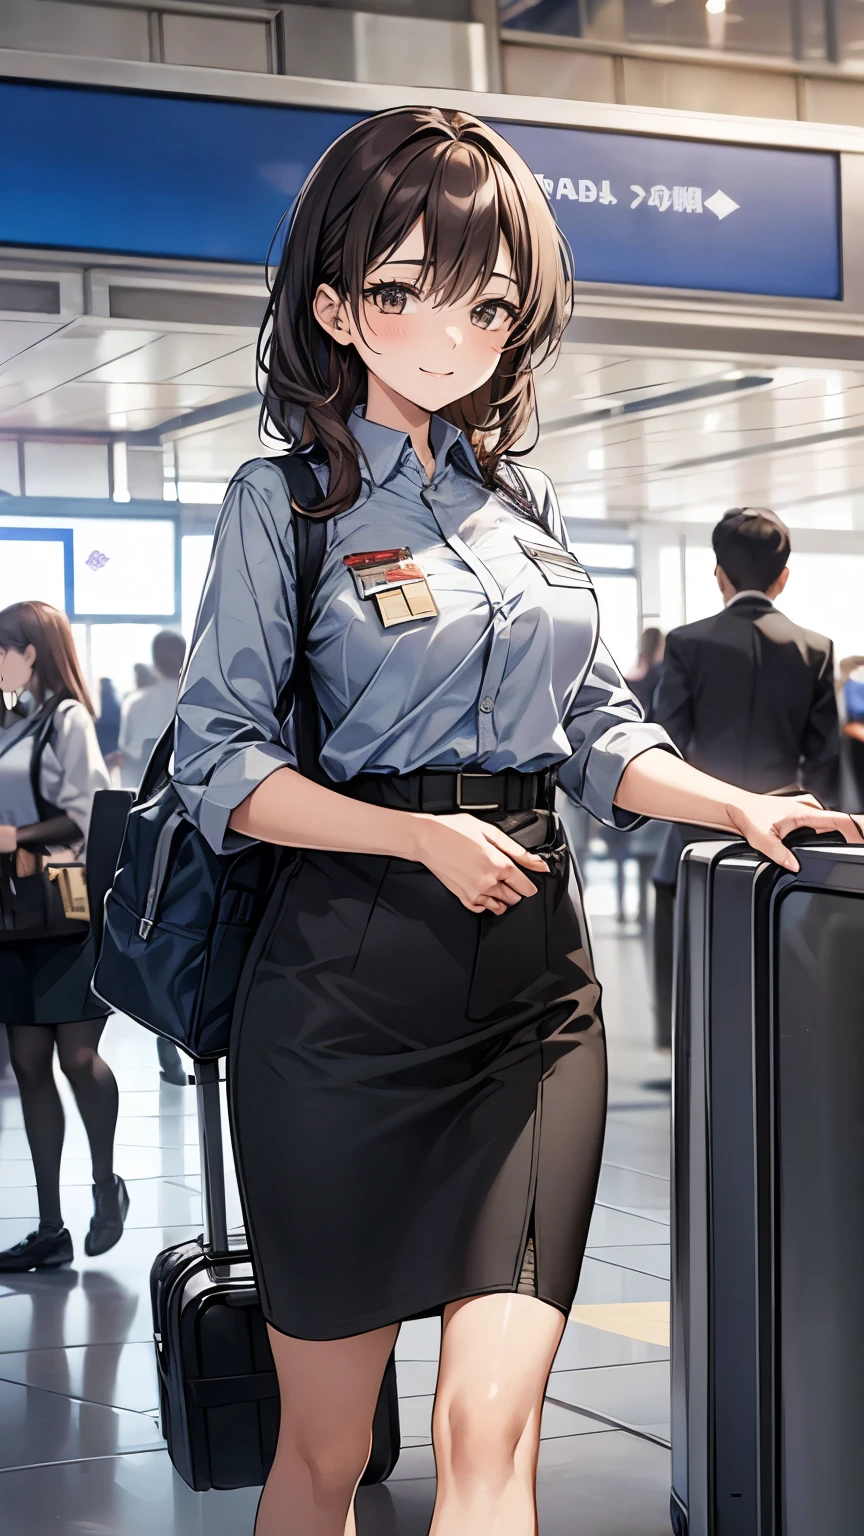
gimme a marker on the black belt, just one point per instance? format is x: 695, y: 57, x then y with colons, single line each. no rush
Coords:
x: 441, y: 792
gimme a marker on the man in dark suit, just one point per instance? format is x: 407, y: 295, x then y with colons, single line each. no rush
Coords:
x: 745, y: 695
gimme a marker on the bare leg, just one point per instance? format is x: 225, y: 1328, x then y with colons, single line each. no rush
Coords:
x: 328, y: 1391
x: 496, y: 1355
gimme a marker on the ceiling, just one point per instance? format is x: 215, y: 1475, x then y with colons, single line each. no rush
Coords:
x: 666, y: 437
x: 750, y: 433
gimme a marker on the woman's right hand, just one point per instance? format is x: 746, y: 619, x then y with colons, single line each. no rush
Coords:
x: 476, y: 861
x: 8, y: 839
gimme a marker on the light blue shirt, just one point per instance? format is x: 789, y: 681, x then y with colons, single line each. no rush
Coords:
x: 510, y: 673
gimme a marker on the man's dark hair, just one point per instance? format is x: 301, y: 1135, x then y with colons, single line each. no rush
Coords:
x: 169, y: 651
x: 751, y: 545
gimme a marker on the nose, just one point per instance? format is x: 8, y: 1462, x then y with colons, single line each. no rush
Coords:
x: 454, y: 334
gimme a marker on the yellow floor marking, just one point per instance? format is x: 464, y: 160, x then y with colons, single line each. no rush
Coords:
x: 645, y: 1320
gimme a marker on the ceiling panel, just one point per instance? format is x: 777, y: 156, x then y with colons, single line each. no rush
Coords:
x: 66, y: 356
x: 108, y: 408
x: 20, y: 335
x: 173, y: 356
x: 236, y: 369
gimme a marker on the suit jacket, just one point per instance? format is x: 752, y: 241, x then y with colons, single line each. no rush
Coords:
x: 748, y: 697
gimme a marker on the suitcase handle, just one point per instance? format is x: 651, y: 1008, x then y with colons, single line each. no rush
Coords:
x: 215, y: 1242
x: 805, y: 837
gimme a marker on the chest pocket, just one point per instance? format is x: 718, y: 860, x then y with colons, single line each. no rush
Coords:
x: 557, y: 566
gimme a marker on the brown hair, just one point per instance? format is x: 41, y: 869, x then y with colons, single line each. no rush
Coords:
x: 49, y: 632
x: 357, y: 205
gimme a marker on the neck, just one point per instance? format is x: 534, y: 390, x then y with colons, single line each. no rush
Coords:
x: 388, y: 409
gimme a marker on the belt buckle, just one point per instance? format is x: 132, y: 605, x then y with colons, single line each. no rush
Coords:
x: 460, y: 775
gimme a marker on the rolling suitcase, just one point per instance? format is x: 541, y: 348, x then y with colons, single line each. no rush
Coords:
x: 219, y: 1398
x: 768, y: 1168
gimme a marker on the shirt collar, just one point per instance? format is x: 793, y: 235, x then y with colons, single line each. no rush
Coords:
x: 382, y: 447
x: 754, y: 592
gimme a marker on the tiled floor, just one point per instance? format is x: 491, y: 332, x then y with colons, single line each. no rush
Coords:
x: 80, y: 1448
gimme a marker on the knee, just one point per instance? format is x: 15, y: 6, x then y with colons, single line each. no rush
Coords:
x: 78, y: 1065
x: 32, y: 1071
x: 477, y: 1443
x: 333, y: 1469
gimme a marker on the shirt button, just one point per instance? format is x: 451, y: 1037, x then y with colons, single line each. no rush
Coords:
x: 487, y: 705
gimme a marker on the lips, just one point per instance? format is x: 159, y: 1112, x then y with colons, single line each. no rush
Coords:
x: 433, y: 375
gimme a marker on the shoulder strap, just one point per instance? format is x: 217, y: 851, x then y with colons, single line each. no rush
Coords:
x: 310, y: 542
x: 41, y: 737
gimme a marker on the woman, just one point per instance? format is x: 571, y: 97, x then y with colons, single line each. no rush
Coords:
x: 108, y: 723
x: 417, y: 1075
x: 643, y: 680
x: 45, y: 996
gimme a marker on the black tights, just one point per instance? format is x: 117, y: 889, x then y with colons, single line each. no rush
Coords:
x: 31, y: 1047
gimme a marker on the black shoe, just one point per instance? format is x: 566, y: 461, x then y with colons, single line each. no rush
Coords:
x: 171, y: 1064
x: 44, y: 1249
x: 111, y: 1206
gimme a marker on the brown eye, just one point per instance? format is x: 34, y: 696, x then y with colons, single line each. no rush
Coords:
x: 491, y: 316
x: 391, y: 298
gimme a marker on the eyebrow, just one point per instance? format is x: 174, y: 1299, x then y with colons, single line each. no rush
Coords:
x: 415, y: 262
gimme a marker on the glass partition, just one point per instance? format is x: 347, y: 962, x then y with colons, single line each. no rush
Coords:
x: 804, y: 29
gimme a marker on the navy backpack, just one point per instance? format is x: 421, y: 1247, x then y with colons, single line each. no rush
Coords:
x: 179, y: 918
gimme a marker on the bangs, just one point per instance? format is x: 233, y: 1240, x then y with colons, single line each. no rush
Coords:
x: 468, y: 199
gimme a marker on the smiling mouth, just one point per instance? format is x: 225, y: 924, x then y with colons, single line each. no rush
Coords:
x: 433, y: 375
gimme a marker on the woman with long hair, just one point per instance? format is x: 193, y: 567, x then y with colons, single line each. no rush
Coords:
x: 418, y: 1071
x: 45, y: 997
x: 648, y: 667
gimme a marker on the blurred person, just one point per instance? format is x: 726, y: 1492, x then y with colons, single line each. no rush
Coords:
x: 45, y: 997
x: 643, y: 680
x: 747, y: 696
x: 108, y: 722
x: 850, y: 705
x: 850, y: 690
x: 144, y: 715
x: 144, y: 675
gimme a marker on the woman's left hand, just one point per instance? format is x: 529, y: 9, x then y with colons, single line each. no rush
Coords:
x: 8, y: 839
x: 764, y: 820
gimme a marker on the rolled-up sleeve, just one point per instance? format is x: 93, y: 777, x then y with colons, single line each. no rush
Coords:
x: 606, y: 731
x: 604, y: 722
x: 228, y: 734
x: 73, y: 767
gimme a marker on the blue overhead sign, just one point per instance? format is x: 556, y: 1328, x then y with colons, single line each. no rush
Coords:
x: 680, y: 213
x: 187, y: 177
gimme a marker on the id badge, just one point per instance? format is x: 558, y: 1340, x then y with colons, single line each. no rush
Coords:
x: 394, y: 582
x: 556, y: 565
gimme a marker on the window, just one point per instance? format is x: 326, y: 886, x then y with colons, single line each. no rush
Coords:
x: 783, y: 28
x: 619, y: 617
x: 117, y: 567
x: 744, y: 26
x: 195, y: 558
x: 35, y: 566
x: 824, y: 593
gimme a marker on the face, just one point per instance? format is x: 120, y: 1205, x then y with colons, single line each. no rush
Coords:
x: 429, y: 353
x: 16, y: 669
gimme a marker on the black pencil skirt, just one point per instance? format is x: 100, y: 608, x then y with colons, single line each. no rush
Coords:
x: 417, y: 1092
x: 47, y: 982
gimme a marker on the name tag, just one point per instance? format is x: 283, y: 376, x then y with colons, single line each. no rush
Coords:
x: 394, y: 582
x: 557, y: 566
